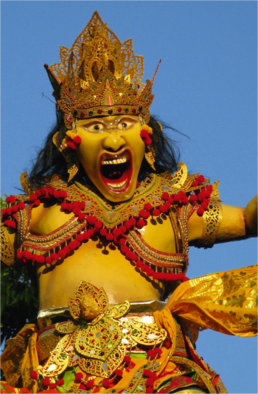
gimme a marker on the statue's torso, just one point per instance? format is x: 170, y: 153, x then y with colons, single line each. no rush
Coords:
x: 99, y: 262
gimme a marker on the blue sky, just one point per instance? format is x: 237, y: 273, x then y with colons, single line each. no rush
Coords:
x: 206, y: 87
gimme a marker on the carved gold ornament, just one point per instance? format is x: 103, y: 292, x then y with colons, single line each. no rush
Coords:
x: 99, y: 76
x: 99, y: 336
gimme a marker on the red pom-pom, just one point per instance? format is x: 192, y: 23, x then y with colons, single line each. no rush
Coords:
x: 72, y: 245
x: 54, y: 256
x: 122, y: 241
x: 151, y: 354
x: 150, y: 272
x: 81, y: 217
x: 77, y: 140
x: 145, y: 268
x: 38, y: 193
x: 61, y: 254
x: 171, y: 200
x: 200, y: 211
x: 144, y: 214
x: 165, y: 196
x: 80, y: 238
x: 193, y: 197
x: 60, y: 382
x: 159, y: 352
x: 63, y: 194
x: 9, y: 211
x: 148, y: 141
x: 162, y: 209
x: 90, y: 384
x: 195, y: 183
x: 66, y: 249
x: 33, y: 375
x: 147, y: 206
x: 69, y: 207
x: 129, y: 255
x: 86, y: 235
x: 127, y: 359
x: 98, y: 224
x: 141, y: 223
x: 124, y: 249
x: 135, y: 257
x: 156, y: 212
x: 78, y: 376
x: 185, y: 200
x: 40, y: 259
x: 168, y: 344
x: 91, y: 220
x: 46, y: 381
x: 133, y: 221
x: 103, y: 232
x: 48, y: 260
x: 144, y: 133
x: 119, y: 372
x: 36, y: 203
x: 57, y: 194
x: 82, y: 387
x: 205, y: 203
x: 147, y: 373
x: 71, y: 145
x: 82, y: 205
x: 122, y: 229
x: 52, y: 386
x: 116, y: 232
x: 109, y: 237
x: 77, y: 211
x: 200, y: 179
x: 15, y: 208
x: 167, y: 205
x: 150, y: 382
x: 33, y: 197
x: 64, y: 206
x: 3, y: 211
x: 128, y: 224
x: 139, y: 264
x: 12, y: 199
x: 106, y: 383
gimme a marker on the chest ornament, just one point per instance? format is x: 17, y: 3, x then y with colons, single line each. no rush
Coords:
x: 119, y: 224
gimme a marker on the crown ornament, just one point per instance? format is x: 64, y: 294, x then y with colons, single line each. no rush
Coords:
x: 99, y: 76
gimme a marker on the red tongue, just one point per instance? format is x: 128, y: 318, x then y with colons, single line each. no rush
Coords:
x: 111, y: 176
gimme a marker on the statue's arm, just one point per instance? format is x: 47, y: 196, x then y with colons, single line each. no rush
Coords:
x: 230, y: 223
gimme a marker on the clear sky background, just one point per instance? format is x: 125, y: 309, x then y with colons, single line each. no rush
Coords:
x: 206, y: 87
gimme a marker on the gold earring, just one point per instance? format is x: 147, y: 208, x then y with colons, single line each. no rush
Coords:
x: 150, y: 157
x: 72, y: 163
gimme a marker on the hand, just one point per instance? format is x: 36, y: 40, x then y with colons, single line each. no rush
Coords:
x: 251, y: 217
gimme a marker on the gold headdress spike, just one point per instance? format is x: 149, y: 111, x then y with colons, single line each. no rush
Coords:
x: 99, y: 76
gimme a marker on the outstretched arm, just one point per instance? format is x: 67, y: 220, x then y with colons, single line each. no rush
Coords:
x: 235, y: 223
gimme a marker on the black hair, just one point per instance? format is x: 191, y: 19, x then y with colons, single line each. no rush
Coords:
x: 50, y: 161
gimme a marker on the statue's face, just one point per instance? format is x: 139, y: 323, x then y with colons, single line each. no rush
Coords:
x: 111, y: 153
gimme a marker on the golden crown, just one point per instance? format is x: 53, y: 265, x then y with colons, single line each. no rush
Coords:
x: 99, y: 76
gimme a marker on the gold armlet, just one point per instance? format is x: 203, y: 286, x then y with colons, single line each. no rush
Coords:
x: 211, y: 224
x: 7, y: 250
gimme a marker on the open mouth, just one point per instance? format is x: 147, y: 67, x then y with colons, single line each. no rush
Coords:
x: 116, y: 170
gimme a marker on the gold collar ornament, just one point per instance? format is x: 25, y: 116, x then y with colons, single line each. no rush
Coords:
x: 100, y: 76
x: 98, y: 336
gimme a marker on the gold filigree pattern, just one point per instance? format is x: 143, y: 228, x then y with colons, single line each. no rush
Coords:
x: 7, y: 250
x: 99, y: 74
x: 211, y: 223
x: 98, y: 345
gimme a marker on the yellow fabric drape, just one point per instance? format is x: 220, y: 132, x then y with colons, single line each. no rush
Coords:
x: 225, y: 302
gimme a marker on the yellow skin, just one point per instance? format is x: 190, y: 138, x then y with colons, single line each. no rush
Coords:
x: 110, y: 269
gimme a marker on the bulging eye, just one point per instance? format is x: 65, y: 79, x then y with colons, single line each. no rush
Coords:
x: 125, y: 125
x: 95, y: 127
